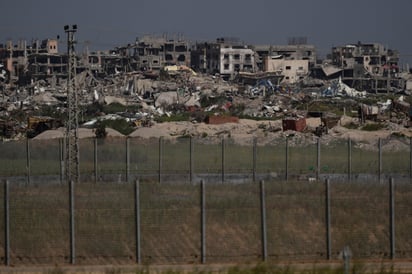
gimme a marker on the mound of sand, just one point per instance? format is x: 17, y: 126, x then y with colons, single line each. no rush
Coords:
x: 83, y: 133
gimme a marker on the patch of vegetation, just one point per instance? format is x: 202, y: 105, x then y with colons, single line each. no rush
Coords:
x: 351, y: 125
x: 184, y: 116
x: 398, y: 134
x: 373, y: 127
x: 121, y: 125
x: 101, y: 132
x: 116, y: 107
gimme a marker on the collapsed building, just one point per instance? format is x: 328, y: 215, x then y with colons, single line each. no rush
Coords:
x: 296, y: 49
x: 273, y: 76
x: 364, y: 66
x: 227, y: 56
x: 153, y: 53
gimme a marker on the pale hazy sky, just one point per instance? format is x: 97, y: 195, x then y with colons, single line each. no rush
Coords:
x: 106, y: 24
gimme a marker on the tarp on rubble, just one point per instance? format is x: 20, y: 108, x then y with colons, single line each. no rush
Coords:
x: 339, y: 88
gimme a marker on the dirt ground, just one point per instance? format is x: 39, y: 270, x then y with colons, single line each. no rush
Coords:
x: 264, y: 130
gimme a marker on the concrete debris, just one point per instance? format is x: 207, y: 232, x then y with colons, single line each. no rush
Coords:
x: 167, y: 98
x: 149, y: 94
x: 115, y: 100
x: 338, y: 88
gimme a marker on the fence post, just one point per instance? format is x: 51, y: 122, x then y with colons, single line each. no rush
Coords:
x: 380, y: 160
x: 392, y: 216
x: 349, y: 159
x: 72, y: 224
x: 61, y: 156
x: 328, y: 220
x: 6, y: 224
x: 127, y: 159
x: 263, y: 221
x: 28, y: 163
x: 318, y: 160
x: 410, y: 159
x: 160, y: 159
x: 95, y: 161
x: 286, y: 158
x: 254, y: 159
x: 137, y: 212
x: 223, y: 159
x: 191, y: 159
x: 203, y: 221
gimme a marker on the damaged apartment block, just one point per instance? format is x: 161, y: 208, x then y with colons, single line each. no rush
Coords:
x: 227, y: 57
x: 153, y: 53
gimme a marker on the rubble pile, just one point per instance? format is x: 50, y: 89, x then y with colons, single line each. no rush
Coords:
x: 145, y: 100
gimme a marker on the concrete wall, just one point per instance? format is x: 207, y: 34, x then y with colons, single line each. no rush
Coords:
x: 233, y: 60
x: 293, y: 70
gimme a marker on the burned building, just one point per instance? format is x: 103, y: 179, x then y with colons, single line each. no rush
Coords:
x: 226, y: 57
x: 370, y: 66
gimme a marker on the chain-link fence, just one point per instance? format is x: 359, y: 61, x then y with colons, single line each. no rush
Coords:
x: 188, y: 223
x: 210, y: 159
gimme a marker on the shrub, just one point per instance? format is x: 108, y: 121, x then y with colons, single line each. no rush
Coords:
x: 373, y: 127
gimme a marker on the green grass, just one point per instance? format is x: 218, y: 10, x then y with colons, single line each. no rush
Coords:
x: 373, y: 127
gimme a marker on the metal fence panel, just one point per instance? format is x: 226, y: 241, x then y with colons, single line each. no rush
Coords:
x: 111, y: 155
x: 39, y: 218
x: 296, y: 220
x: 13, y: 158
x: 271, y: 159
x: 238, y: 159
x: 208, y: 158
x: 170, y: 223
x: 233, y: 223
x: 144, y: 158
x: 104, y: 223
x: 334, y: 158
x: 360, y: 219
x: 396, y: 157
x: 365, y: 160
x: 2, y: 224
x: 403, y: 220
x: 176, y: 159
x: 302, y: 157
x: 86, y: 159
x: 44, y: 153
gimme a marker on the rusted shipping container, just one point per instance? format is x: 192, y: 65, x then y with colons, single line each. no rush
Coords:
x: 296, y: 124
x: 221, y: 119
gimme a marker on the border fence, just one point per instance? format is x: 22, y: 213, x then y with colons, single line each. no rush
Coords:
x: 188, y: 201
x: 210, y: 160
x: 183, y: 223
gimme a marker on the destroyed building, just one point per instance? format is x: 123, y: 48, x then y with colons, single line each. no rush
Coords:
x: 292, y: 70
x: 19, y: 57
x: 369, y: 66
x: 153, y: 53
x: 294, y: 50
x: 227, y: 56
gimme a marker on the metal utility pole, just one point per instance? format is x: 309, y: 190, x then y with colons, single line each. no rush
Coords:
x: 72, y: 123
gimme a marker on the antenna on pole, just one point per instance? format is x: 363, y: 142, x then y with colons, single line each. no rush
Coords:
x: 72, y: 123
